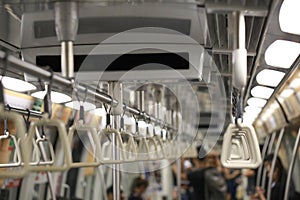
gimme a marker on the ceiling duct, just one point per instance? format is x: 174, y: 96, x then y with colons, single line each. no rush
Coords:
x: 162, y: 42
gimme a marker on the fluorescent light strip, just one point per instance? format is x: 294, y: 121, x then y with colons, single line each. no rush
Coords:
x: 269, y: 77
x: 289, y: 16
x: 16, y: 84
x: 258, y: 102
x: 282, y: 53
x: 56, y: 97
x: 262, y: 92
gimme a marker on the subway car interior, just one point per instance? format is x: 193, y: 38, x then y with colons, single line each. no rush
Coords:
x: 149, y: 99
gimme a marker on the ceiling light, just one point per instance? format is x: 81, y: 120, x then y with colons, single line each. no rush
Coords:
x: 142, y: 124
x: 258, y: 102
x: 247, y: 120
x: 262, y: 92
x: 76, y: 105
x: 129, y: 120
x: 269, y: 77
x: 295, y: 83
x: 56, y: 97
x: 252, y: 109
x: 282, y: 53
x: 99, y: 112
x: 16, y: 84
x: 286, y: 93
x: 289, y: 15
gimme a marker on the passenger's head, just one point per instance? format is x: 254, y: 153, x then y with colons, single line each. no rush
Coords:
x: 139, y: 186
x: 110, y: 193
x: 200, y: 160
x: 278, y: 169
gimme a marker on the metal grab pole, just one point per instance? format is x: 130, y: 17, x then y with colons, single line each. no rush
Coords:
x: 264, y: 151
x: 62, y: 82
x: 263, y: 182
x: 291, y: 167
x: 115, y: 90
x: 274, y: 162
x: 178, y: 166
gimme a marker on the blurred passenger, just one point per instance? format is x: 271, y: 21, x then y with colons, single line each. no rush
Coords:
x: 110, y: 193
x: 207, y: 180
x: 278, y: 180
x: 184, y: 191
x: 233, y: 179
x: 138, y: 188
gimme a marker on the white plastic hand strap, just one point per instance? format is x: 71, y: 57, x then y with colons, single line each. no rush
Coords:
x: 61, y: 130
x: 93, y: 146
x: 168, y: 148
x: 106, y: 156
x: 153, y: 149
x: 160, y: 147
x: 22, y: 152
x: 35, y: 157
x: 143, y: 149
x: 17, y: 153
x: 39, y: 143
x: 240, y: 147
x: 129, y: 147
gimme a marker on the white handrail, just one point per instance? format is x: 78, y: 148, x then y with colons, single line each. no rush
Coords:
x: 18, y: 122
x: 95, y: 145
x: 63, y: 139
x: 107, y: 159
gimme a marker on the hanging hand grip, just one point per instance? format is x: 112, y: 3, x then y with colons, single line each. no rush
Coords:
x: 143, y: 149
x: 39, y: 142
x: 22, y: 152
x: 106, y: 155
x: 240, y: 147
x: 129, y: 147
x: 35, y: 158
x: 60, y: 126
x: 94, y: 141
x: 17, y: 154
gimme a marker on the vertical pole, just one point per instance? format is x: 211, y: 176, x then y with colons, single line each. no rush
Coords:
x: 263, y: 182
x: 264, y: 151
x: 178, y: 163
x: 274, y: 162
x: 115, y: 90
x: 291, y: 167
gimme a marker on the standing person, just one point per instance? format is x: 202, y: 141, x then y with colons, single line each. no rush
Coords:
x: 207, y: 180
x: 196, y: 176
x: 138, y: 188
x: 215, y: 183
x: 184, y: 190
x: 110, y: 193
x: 232, y: 178
x: 278, y: 180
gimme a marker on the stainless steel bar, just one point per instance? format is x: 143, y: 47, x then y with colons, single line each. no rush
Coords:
x: 274, y: 162
x: 24, y: 112
x: 291, y: 167
x: 263, y: 182
x: 264, y: 151
x: 67, y: 59
x: 115, y: 90
x: 56, y: 79
x: 178, y: 177
x: 229, y: 51
x: 66, y: 83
